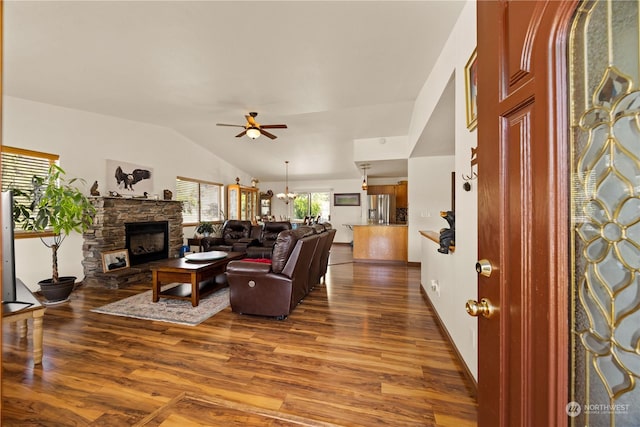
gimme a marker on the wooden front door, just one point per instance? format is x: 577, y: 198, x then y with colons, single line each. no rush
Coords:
x: 523, y: 213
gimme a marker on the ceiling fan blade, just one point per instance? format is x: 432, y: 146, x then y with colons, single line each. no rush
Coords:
x: 224, y: 124
x: 273, y: 126
x: 243, y: 133
x: 267, y: 134
x: 251, y: 121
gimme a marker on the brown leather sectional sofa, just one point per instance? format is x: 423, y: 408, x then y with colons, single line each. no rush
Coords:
x: 235, y: 237
x: 299, y: 261
x: 266, y: 238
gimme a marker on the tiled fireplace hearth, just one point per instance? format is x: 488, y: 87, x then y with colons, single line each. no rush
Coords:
x: 109, y: 232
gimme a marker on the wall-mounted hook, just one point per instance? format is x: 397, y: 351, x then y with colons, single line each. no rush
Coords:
x: 473, y: 175
x: 474, y: 161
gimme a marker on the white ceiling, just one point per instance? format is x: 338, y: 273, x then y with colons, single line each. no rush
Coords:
x: 333, y: 71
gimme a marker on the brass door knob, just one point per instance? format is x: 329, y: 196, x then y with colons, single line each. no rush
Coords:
x: 484, y: 308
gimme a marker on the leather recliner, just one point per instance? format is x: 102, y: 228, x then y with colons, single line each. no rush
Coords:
x: 274, y: 289
x: 236, y: 236
x: 314, y: 268
x: 324, y: 261
x: 267, y: 239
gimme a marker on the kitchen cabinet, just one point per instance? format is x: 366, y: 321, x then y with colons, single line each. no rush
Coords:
x: 242, y: 202
x: 400, y: 191
x: 381, y: 189
x: 380, y: 243
x: 265, y: 203
x: 402, y: 199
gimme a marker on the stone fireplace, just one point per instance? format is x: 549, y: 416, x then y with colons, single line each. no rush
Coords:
x: 157, y: 230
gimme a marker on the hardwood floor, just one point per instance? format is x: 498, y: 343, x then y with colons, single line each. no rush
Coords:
x: 362, y: 350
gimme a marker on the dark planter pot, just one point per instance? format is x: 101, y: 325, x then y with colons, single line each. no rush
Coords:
x: 57, y: 292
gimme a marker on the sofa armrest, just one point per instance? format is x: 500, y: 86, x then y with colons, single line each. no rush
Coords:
x: 247, y: 267
x: 241, y: 244
x: 249, y: 241
x: 208, y: 242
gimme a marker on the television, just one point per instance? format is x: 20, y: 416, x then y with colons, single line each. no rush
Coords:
x: 8, y: 249
x: 10, y: 300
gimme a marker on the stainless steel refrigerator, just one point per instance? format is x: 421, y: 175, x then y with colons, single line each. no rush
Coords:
x: 380, y: 206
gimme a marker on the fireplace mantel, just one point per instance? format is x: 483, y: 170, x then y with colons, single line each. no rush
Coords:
x: 108, y: 233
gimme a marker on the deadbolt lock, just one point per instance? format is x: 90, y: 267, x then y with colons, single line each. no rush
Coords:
x: 484, y: 267
x: 484, y: 308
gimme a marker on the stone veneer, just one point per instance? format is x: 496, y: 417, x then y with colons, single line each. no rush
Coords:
x: 108, y: 233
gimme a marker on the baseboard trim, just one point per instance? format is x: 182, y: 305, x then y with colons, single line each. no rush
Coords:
x: 472, y: 381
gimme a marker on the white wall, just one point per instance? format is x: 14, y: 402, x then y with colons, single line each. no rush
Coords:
x: 84, y: 141
x: 454, y: 272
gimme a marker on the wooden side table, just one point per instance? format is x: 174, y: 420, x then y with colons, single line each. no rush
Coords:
x: 195, y: 241
x: 21, y: 312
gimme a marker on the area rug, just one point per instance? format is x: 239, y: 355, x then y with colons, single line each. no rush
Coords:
x: 168, y: 310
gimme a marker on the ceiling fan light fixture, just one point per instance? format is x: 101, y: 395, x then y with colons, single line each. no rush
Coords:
x: 253, y: 133
x: 253, y: 129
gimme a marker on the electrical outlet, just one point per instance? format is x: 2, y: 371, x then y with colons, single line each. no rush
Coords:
x: 435, y: 287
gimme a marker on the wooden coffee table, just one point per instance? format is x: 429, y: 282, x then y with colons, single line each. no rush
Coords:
x: 196, y: 278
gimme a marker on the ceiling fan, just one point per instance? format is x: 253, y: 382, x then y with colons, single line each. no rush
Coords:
x: 253, y: 129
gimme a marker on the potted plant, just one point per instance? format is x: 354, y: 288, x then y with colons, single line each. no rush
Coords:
x: 56, y: 206
x: 205, y: 228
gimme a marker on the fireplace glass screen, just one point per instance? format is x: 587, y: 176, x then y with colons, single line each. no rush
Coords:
x: 147, y: 241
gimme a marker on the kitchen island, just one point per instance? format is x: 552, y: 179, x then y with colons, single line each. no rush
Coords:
x: 380, y: 242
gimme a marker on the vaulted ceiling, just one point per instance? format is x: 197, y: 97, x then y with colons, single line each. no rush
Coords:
x: 333, y: 71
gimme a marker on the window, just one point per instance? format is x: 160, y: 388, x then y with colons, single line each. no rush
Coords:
x: 312, y: 205
x: 18, y: 168
x: 201, y: 200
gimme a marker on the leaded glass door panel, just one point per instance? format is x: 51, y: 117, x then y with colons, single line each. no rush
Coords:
x: 605, y: 156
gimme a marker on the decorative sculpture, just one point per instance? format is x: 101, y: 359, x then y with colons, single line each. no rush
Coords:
x: 447, y: 235
x: 94, y: 189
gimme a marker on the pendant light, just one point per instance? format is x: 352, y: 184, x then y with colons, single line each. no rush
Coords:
x: 286, y: 196
x: 364, y: 167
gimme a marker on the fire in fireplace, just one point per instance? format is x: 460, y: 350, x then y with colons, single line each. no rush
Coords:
x: 147, y: 241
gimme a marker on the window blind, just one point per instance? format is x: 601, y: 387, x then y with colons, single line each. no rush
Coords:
x: 19, y: 166
x: 200, y: 200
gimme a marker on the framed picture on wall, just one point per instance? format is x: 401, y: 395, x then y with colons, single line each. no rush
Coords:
x: 471, y: 84
x: 346, y: 199
x: 129, y: 179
